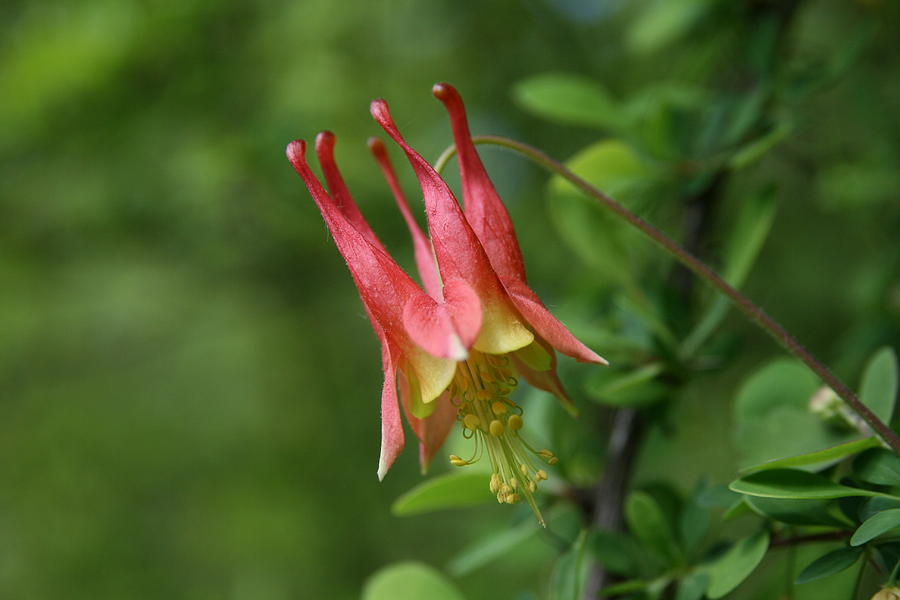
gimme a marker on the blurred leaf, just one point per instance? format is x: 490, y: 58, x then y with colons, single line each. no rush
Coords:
x: 756, y: 149
x: 664, y: 21
x: 746, y: 240
x: 616, y: 552
x: 613, y: 167
x: 796, y: 512
x: 828, y: 455
x: 772, y: 415
x: 872, y: 506
x: 453, y: 490
x: 876, y: 525
x: 693, y: 523
x: 634, y: 387
x: 829, y: 564
x: 878, y: 466
x: 717, y: 496
x: 692, y: 586
x: 733, y: 567
x: 566, y: 580
x: 568, y: 98
x: 625, y: 587
x: 490, y: 548
x: 879, y: 384
x: 738, y: 509
x: 648, y: 524
x: 409, y: 581
x: 794, y: 483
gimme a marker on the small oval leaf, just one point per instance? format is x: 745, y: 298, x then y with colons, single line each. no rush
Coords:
x: 879, y: 384
x: 409, y: 581
x: 736, y: 564
x: 878, y: 466
x: 829, y: 564
x: 828, y: 455
x: 794, y: 483
x: 646, y: 521
x: 453, y: 490
x: 876, y: 525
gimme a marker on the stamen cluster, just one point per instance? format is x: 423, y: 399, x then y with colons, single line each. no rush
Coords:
x: 480, y: 390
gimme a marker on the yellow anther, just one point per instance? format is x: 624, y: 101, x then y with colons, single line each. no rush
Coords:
x: 513, y: 483
x: 483, y: 395
x: 498, y: 408
x: 540, y: 475
x: 495, y: 483
x: 524, y: 470
x: 506, y: 489
x: 457, y: 461
x: 552, y: 460
x: 514, y: 422
x: 532, y: 486
x: 496, y: 428
x: 548, y: 457
x: 512, y: 498
x: 501, y: 498
x: 471, y: 421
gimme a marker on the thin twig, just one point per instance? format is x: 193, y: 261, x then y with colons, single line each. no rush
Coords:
x: 750, y: 309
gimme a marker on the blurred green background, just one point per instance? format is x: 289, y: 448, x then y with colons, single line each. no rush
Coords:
x: 188, y: 384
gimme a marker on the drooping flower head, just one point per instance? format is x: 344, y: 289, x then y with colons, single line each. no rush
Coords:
x: 454, y: 346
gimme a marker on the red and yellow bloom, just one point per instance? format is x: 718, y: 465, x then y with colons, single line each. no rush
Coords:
x: 454, y: 348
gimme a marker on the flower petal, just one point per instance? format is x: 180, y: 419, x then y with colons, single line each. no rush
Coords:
x: 424, y: 254
x: 383, y: 286
x: 483, y: 208
x: 458, y: 251
x: 433, y: 430
x: 391, y: 427
x: 340, y: 194
x: 537, y: 364
x: 547, y: 326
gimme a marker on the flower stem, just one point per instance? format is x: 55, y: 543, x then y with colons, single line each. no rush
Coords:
x: 754, y: 312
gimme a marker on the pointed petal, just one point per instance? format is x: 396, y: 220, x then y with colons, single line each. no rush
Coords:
x: 383, y: 286
x: 432, y: 431
x: 391, y: 427
x: 464, y: 308
x: 429, y: 325
x: 547, y: 326
x: 484, y: 210
x: 458, y: 251
x: 541, y: 373
x: 325, y: 142
x: 424, y: 254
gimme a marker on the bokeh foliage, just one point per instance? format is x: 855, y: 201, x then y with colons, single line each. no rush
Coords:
x: 188, y: 383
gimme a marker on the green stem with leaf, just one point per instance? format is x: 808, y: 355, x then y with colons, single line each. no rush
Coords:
x: 754, y: 312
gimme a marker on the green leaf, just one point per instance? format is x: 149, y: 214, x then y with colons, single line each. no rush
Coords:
x: 617, y: 553
x: 794, y: 483
x: 635, y: 387
x: 873, y: 506
x: 614, y: 167
x: 797, y: 512
x: 693, y: 523
x: 625, y: 587
x: 773, y: 418
x: 876, y: 525
x: 661, y: 23
x: 569, y: 99
x: 453, y: 490
x: 878, y: 466
x: 648, y: 523
x: 829, y: 564
x: 879, y: 384
x: 409, y: 581
x: 566, y: 580
x: 750, y: 231
x: 756, y: 149
x: 692, y: 586
x: 828, y: 455
x: 485, y: 550
x: 736, y: 564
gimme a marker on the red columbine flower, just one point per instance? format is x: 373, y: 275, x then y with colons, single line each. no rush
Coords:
x: 453, y: 348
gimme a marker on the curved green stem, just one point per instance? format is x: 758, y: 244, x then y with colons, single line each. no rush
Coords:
x: 749, y: 308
